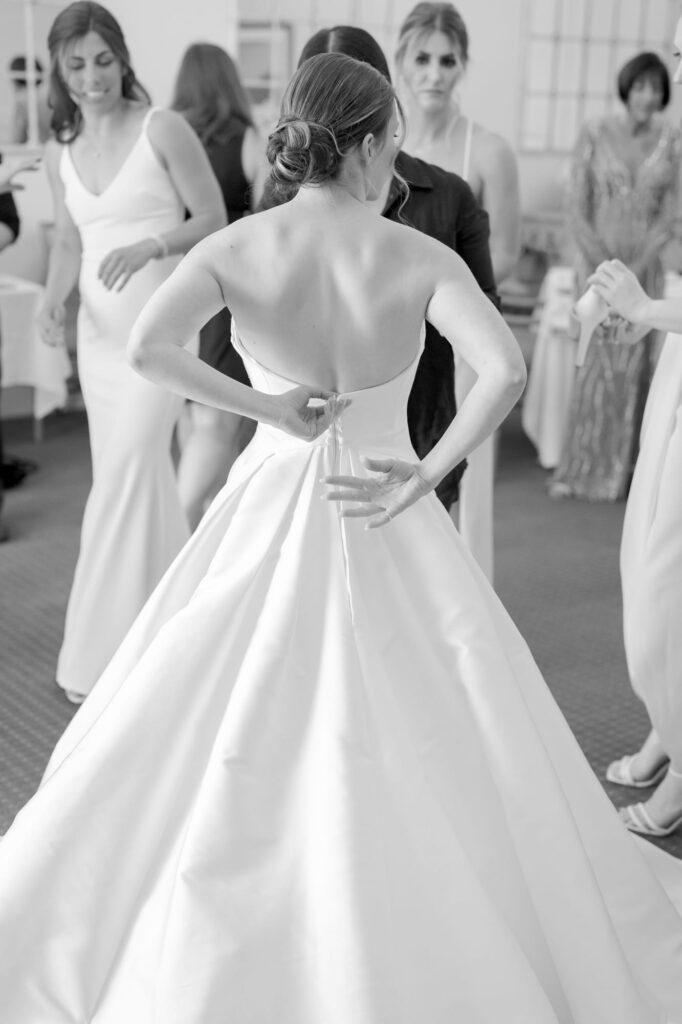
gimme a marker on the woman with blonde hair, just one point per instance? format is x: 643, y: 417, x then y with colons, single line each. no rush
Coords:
x: 432, y: 55
x: 210, y: 96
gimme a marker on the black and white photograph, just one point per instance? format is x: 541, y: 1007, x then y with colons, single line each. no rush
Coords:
x: 341, y: 512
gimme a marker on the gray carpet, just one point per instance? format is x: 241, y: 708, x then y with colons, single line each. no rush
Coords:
x: 557, y: 573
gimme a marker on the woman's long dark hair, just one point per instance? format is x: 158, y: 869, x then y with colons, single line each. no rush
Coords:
x: 71, y: 24
x: 209, y: 93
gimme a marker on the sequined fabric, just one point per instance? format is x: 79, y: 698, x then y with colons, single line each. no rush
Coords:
x: 614, y: 214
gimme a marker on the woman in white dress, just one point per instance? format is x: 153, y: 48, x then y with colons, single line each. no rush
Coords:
x: 432, y: 55
x: 651, y: 563
x: 322, y: 780
x: 122, y: 175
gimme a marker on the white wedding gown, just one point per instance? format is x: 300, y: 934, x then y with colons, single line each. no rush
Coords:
x: 323, y: 782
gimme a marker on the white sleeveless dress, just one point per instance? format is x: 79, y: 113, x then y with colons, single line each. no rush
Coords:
x: 133, y: 524
x: 475, y: 510
x: 323, y: 782
x: 651, y: 556
x: 476, y: 490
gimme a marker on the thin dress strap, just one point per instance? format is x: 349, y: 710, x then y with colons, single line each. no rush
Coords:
x: 468, y: 142
x: 147, y: 119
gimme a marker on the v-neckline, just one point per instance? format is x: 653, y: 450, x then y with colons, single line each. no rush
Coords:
x: 117, y: 175
x: 634, y: 178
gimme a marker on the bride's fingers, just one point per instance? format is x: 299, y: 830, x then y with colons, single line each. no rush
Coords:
x: 362, y: 512
x: 381, y: 520
x: 343, y: 481
x: 377, y: 465
x: 347, y: 496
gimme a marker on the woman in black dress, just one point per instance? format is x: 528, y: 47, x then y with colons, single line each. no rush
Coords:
x: 210, y: 95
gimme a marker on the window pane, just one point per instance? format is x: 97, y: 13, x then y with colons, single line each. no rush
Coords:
x: 573, y: 18
x: 540, y: 63
x: 535, y: 132
x: 566, y: 125
x: 622, y: 53
x: 602, y: 19
x: 630, y: 20
x: 569, y: 66
x: 597, y: 67
x: 660, y: 22
x: 543, y: 17
x: 593, y: 108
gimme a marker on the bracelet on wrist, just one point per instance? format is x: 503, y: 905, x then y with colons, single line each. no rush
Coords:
x: 161, y: 246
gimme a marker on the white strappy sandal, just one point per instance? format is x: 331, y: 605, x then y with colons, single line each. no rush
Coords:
x: 637, y: 819
x: 620, y: 773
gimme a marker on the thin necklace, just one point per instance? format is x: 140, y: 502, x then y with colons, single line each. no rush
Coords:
x: 95, y: 150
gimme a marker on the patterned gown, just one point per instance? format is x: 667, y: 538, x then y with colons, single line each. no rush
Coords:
x: 614, y: 214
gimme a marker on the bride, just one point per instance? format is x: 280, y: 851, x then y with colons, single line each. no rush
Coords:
x: 322, y: 780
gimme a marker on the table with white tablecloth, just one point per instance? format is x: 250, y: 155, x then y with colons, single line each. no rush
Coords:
x: 26, y: 359
x: 550, y: 381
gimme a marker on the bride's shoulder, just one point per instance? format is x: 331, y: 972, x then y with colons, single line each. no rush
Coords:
x: 415, y: 249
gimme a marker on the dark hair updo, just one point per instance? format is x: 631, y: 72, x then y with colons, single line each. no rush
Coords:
x: 330, y: 105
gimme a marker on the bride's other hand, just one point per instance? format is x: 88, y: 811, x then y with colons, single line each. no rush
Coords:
x: 297, y: 417
x: 617, y: 285
x: 391, y: 487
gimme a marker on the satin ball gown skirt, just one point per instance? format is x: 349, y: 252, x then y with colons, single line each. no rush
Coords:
x: 322, y: 781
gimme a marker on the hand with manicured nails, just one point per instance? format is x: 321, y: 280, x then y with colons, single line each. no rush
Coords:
x: 391, y: 487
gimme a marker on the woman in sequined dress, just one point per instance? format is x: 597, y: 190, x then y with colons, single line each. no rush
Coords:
x: 624, y: 193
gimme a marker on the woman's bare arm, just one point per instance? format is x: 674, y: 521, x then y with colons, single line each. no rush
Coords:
x: 65, y: 255
x: 477, y: 332
x: 502, y: 201
x: 175, y: 313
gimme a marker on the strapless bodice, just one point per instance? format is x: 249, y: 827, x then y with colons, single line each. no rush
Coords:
x: 376, y: 417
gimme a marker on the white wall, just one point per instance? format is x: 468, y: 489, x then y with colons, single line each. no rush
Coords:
x: 158, y: 31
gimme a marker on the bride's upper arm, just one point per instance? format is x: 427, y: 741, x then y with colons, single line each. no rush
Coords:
x: 460, y: 311
x: 180, y: 307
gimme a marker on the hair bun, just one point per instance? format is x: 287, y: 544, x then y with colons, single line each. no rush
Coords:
x: 302, y: 152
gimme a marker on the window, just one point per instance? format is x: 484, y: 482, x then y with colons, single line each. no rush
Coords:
x: 24, y: 123
x: 574, y: 49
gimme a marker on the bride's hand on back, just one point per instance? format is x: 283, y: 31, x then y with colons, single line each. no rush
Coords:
x: 391, y: 487
x: 300, y: 419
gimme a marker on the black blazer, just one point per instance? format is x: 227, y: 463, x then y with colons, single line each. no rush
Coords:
x: 442, y: 205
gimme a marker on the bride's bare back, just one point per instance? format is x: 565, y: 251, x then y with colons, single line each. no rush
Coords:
x: 324, y: 292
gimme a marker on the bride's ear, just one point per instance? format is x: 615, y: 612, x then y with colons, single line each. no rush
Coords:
x: 368, y: 148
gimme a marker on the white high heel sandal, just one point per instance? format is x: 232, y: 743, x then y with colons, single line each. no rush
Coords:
x: 637, y: 819
x: 590, y: 310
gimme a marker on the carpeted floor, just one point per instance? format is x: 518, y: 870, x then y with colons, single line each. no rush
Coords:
x: 557, y: 573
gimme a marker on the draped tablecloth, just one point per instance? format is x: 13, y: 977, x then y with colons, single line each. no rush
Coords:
x: 550, y: 381
x: 26, y: 360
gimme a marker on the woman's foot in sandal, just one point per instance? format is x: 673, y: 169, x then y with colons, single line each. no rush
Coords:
x: 661, y: 815
x: 645, y: 768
